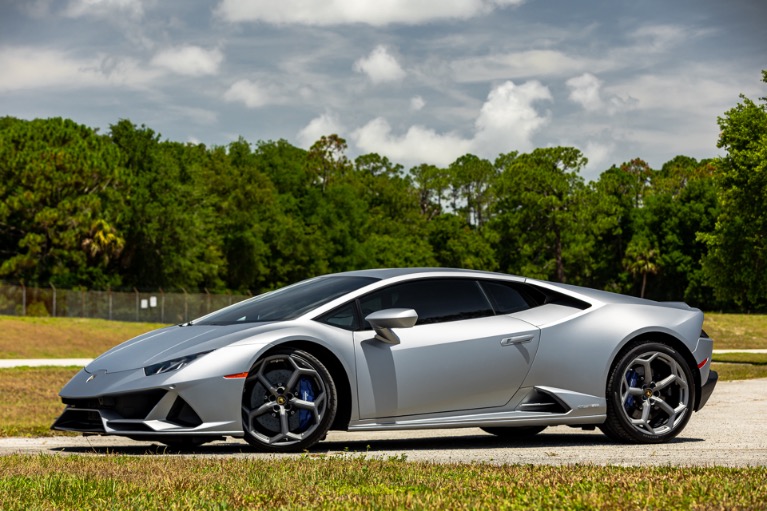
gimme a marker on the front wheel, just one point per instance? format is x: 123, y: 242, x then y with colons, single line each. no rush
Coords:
x: 289, y: 402
x: 650, y: 395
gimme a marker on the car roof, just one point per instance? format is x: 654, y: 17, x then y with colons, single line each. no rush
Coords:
x: 388, y: 273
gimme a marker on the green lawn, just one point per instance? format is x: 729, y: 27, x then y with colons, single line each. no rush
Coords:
x: 361, y: 482
x: 733, y: 331
x: 26, y: 337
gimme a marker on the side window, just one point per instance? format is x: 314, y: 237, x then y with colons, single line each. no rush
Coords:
x: 435, y: 300
x: 505, y: 297
x: 344, y: 317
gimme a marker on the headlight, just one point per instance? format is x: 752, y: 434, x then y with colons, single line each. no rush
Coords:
x: 172, y: 365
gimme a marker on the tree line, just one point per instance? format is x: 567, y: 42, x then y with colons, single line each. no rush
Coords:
x: 126, y: 209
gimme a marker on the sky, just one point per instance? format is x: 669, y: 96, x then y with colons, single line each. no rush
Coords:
x: 417, y: 81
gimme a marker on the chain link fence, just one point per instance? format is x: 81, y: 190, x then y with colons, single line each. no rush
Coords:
x: 153, y: 307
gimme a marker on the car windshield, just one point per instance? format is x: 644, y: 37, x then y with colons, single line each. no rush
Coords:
x: 288, y: 302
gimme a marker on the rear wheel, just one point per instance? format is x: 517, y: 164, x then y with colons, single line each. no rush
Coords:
x: 515, y: 433
x: 289, y: 402
x: 650, y: 395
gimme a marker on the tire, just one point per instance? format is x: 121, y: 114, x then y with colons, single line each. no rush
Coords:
x: 650, y: 395
x: 289, y: 402
x: 514, y: 433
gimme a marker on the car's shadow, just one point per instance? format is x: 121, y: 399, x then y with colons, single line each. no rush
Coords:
x: 363, y: 446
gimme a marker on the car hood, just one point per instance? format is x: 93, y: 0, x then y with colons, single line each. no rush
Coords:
x: 173, y: 342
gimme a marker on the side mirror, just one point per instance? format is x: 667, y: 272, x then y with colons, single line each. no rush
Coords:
x: 384, y: 320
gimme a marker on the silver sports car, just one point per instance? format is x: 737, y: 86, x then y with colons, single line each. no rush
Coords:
x: 403, y: 349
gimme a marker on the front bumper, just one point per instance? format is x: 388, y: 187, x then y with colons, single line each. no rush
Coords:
x: 707, y: 389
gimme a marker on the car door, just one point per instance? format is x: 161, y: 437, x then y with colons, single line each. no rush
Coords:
x: 459, y: 356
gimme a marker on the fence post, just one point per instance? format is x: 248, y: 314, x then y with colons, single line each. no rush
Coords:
x: 162, y: 306
x: 54, y: 298
x: 109, y: 298
x: 137, y: 303
x: 207, y: 301
x: 82, y: 303
x: 23, y: 299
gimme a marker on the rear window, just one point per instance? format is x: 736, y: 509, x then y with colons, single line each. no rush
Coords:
x: 507, y: 297
x: 287, y: 303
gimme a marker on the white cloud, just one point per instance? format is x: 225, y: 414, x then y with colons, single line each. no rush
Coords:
x: 599, y: 156
x: 504, y: 66
x: 33, y: 68
x: 105, y: 8
x: 506, y: 122
x: 325, y: 124
x: 418, y: 145
x: 659, y: 38
x: 690, y: 90
x: 380, y: 66
x: 252, y: 94
x: 334, y: 12
x: 189, y: 60
x: 417, y: 103
x: 584, y: 90
x: 587, y: 91
x: 508, y: 118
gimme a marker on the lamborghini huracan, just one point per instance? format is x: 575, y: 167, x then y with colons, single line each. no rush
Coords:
x: 403, y: 349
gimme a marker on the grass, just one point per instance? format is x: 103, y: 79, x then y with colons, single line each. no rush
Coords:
x: 739, y: 366
x: 30, y: 401
x: 740, y: 358
x: 25, y: 337
x: 361, y: 482
x: 736, y: 331
x: 732, y: 372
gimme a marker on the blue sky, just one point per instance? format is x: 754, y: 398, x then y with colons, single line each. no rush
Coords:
x: 418, y: 81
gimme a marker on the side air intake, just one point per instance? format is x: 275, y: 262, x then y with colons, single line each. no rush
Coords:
x: 540, y: 401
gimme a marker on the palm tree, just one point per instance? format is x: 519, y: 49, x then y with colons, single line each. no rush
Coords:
x: 641, y: 259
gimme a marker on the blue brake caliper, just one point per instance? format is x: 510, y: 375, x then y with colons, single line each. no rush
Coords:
x: 631, y: 378
x: 306, y: 392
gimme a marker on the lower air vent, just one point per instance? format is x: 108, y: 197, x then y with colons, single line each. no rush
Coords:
x: 132, y: 427
x: 183, y: 414
x: 135, y: 405
x: 540, y: 401
x: 86, y: 421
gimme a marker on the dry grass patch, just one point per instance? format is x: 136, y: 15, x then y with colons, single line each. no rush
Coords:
x: 30, y: 401
x: 736, y: 331
x: 360, y: 482
x: 740, y: 358
x: 739, y: 371
x: 22, y: 337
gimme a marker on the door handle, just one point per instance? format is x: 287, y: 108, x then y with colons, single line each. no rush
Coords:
x: 517, y: 339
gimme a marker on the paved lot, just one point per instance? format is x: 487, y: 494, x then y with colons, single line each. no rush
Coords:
x: 731, y: 430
